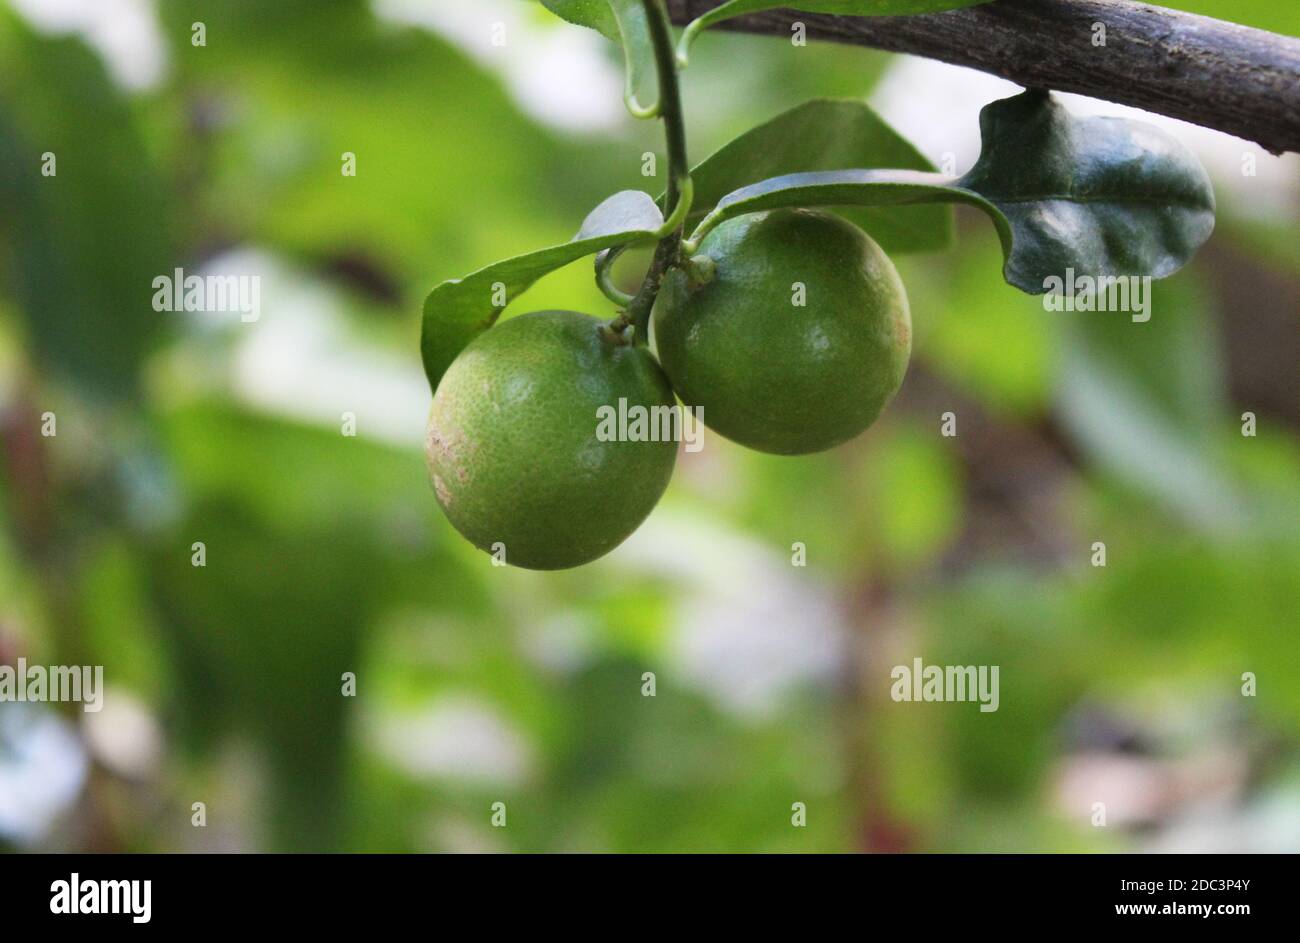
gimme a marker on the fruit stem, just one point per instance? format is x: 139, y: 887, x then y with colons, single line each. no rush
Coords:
x: 604, y: 278
x: 677, y: 219
x: 668, y: 251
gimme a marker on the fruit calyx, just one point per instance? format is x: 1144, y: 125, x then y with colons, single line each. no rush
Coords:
x: 617, y: 332
x: 699, y: 270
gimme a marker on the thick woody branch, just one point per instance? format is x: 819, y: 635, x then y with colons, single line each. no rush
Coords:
x: 1243, y: 81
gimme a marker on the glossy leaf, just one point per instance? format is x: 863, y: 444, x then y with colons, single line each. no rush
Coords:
x: 827, y: 134
x: 622, y: 22
x: 842, y: 7
x: 840, y: 188
x: 457, y: 311
x: 1104, y: 196
x: 1101, y: 196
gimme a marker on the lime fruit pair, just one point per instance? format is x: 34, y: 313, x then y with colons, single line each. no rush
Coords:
x: 790, y: 330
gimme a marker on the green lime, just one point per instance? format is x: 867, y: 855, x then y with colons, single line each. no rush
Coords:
x: 791, y: 334
x: 513, y: 445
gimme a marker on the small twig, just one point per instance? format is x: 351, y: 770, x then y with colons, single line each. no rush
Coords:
x: 670, y: 101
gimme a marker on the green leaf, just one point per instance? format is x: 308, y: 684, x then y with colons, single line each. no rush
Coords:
x: 1102, y: 196
x: 842, y: 7
x: 622, y: 22
x: 595, y: 14
x: 457, y: 311
x: 839, y: 188
x: 1105, y: 196
x: 827, y: 134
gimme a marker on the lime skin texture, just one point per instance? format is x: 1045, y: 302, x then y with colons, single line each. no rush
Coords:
x: 767, y: 372
x: 512, y: 447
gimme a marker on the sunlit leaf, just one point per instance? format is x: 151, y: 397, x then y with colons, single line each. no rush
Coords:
x: 457, y: 311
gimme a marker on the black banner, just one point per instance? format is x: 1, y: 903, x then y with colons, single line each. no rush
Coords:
x: 210, y: 892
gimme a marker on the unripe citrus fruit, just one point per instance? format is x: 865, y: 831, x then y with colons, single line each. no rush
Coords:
x: 792, y: 334
x: 512, y: 443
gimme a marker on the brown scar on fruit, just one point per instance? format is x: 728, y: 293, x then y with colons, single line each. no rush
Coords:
x: 440, y: 489
x: 443, y: 449
x: 902, y: 331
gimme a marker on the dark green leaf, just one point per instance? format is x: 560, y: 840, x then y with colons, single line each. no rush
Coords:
x: 1104, y: 196
x: 457, y: 311
x: 826, y: 134
x: 842, y: 7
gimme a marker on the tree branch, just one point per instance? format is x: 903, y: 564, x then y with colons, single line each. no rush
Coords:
x: 1220, y: 75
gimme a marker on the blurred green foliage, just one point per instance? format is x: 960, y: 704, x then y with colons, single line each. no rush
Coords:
x: 326, y: 553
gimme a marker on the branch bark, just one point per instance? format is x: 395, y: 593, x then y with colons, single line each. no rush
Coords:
x: 1243, y: 81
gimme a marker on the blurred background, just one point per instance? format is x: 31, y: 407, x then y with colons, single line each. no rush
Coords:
x: 475, y: 685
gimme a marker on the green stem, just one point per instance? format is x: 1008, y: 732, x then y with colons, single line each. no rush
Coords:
x: 670, y: 107
x: 677, y: 219
x: 604, y: 281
